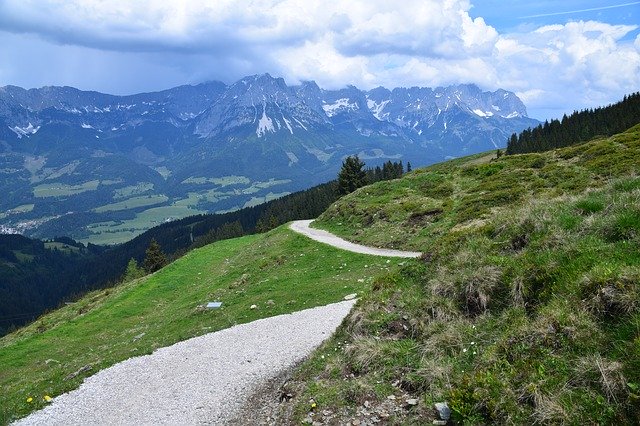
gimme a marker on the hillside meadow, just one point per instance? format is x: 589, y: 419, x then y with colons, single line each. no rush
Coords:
x: 524, y: 308
x: 279, y: 272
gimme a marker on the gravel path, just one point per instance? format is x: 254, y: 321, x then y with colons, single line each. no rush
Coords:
x: 204, y: 380
x: 302, y: 226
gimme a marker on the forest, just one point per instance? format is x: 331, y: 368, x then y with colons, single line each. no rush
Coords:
x: 578, y: 127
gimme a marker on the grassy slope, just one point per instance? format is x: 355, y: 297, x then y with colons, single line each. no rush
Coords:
x: 135, y: 318
x: 526, y: 307
x: 420, y: 208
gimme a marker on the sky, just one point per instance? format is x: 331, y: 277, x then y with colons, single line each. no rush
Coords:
x: 557, y: 56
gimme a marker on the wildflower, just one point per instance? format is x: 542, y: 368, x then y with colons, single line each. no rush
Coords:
x: 29, y: 399
x: 464, y: 350
x: 313, y: 405
x: 473, y: 343
x: 47, y: 398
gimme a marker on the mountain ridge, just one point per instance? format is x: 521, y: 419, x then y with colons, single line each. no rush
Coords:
x: 70, y: 157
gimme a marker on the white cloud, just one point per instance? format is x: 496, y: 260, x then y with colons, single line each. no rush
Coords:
x: 335, y: 42
x: 577, y: 65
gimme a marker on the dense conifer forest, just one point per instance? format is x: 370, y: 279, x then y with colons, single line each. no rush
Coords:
x: 36, y: 276
x: 578, y: 127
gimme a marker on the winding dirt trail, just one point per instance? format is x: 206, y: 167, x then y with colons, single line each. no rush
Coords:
x: 302, y: 227
x: 203, y: 380
x: 206, y: 379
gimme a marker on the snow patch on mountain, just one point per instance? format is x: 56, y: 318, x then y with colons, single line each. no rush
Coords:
x: 481, y: 113
x: 300, y: 123
x: 264, y: 124
x: 24, y: 131
x: 288, y: 124
x: 339, y: 106
x: 377, y: 108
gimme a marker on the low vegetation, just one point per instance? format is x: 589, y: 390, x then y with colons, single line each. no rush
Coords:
x: 524, y: 308
x: 427, y: 204
x: 279, y: 272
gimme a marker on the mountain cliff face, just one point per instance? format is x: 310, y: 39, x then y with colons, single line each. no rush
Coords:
x: 86, y: 163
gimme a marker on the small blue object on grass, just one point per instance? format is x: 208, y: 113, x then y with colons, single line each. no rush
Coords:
x: 214, y: 305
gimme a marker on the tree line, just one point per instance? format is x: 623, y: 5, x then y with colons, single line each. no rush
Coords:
x: 579, y: 127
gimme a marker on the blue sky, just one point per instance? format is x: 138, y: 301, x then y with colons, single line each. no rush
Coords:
x: 516, y: 16
x: 557, y: 56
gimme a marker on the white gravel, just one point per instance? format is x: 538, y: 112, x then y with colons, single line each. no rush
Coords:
x: 302, y: 227
x: 204, y: 380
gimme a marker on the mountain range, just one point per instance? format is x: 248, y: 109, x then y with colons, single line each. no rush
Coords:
x: 103, y: 168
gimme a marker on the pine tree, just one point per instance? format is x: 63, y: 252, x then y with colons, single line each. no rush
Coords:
x: 133, y: 271
x: 352, y: 175
x: 408, y: 167
x: 155, y: 258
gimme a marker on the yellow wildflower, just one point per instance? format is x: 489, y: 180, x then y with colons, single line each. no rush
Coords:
x: 29, y: 399
x: 47, y: 398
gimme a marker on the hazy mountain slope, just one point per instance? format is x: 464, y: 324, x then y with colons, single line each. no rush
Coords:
x: 104, y: 168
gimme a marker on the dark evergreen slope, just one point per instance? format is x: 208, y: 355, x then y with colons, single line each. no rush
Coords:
x: 36, y: 275
x: 578, y: 127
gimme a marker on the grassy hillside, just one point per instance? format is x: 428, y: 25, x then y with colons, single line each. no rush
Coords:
x: 426, y: 205
x: 524, y: 308
x: 280, y: 272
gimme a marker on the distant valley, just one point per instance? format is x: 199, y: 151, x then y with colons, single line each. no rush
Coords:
x: 103, y: 168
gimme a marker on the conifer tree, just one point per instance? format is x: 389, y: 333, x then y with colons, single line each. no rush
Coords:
x: 352, y: 175
x: 581, y: 126
x: 133, y: 271
x: 155, y: 258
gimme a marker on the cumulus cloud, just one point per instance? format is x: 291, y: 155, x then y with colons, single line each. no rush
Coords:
x: 362, y: 42
x: 576, y: 65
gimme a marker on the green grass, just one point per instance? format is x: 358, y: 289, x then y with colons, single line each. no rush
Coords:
x: 54, y: 245
x: 24, y: 208
x: 128, y: 191
x: 411, y: 212
x: 135, y: 318
x: 210, y: 195
x: 254, y: 201
x: 163, y: 171
x: 133, y: 203
x: 525, y: 307
x: 61, y: 189
x: 119, y: 232
x: 222, y: 181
